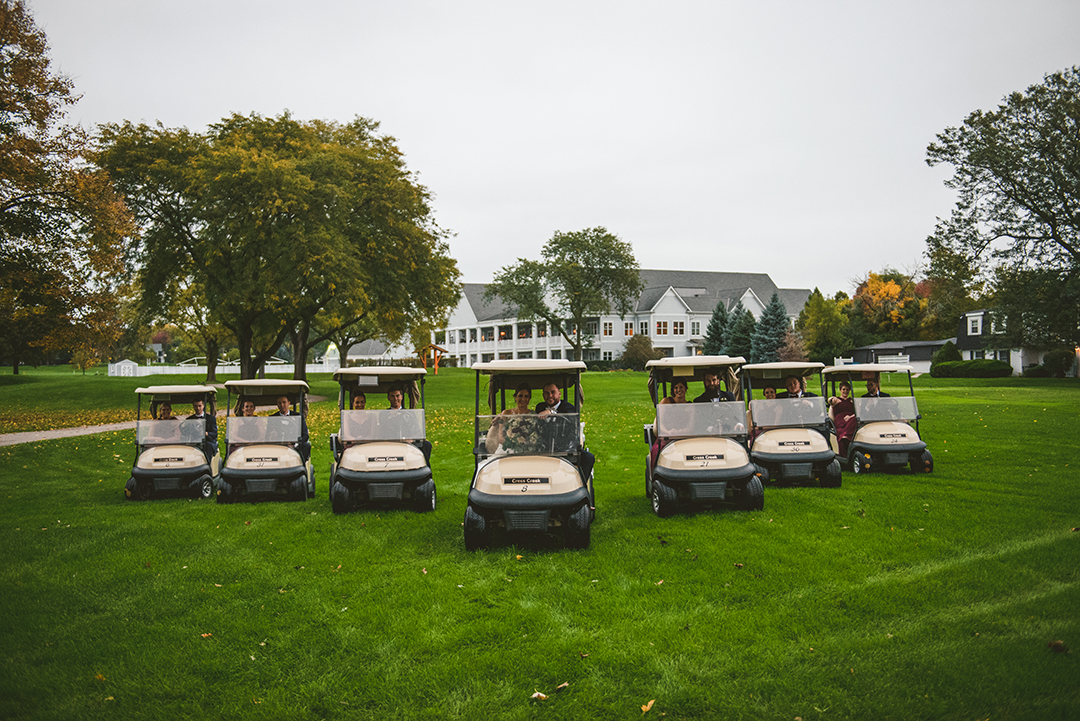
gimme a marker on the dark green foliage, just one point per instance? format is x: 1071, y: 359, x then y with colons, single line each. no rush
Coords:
x: 948, y: 352
x: 637, y: 351
x: 740, y: 331
x: 1059, y: 362
x: 984, y: 368
x: 715, y: 332
x: 823, y: 325
x: 770, y: 332
x: 1036, y: 372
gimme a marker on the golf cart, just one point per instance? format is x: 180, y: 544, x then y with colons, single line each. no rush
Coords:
x: 883, y: 436
x: 532, y: 471
x: 174, y: 456
x: 789, y: 435
x: 268, y: 456
x: 381, y: 455
x: 697, y: 451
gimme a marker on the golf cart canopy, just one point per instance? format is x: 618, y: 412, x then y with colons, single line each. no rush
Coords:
x: 858, y: 369
x: 265, y: 392
x: 379, y: 380
x: 781, y: 370
x: 178, y: 394
x: 694, y: 368
x: 507, y: 374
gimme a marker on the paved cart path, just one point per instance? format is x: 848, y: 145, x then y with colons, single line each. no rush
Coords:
x: 11, y: 439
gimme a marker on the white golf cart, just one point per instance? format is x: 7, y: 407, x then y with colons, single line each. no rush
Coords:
x: 174, y: 456
x: 789, y: 434
x: 883, y: 435
x: 532, y: 471
x: 268, y: 456
x: 697, y: 450
x: 381, y: 455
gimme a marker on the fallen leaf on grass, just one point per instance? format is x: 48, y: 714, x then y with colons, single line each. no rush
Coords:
x: 648, y: 707
x: 424, y: 570
x: 206, y: 635
x: 519, y: 557
x: 583, y: 655
x: 659, y: 582
x: 738, y: 565
x: 109, y: 698
x: 539, y: 696
x: 561, y: 686
x: 99, y: 677
x: 1058, y: 647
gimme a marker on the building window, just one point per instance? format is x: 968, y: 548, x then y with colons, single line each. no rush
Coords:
x: 975, y: 325
x: 524, y: 330
x: 506, y: 332
x: 643, y: 327
x: 472, y: 359
x: 609, y: 328
x: 462, y: 336
x: 541, y: 354
x: 666, y: 352
x: 1005, y: 356
x: 472, y: 335
x: 678, y: 328
x: 592, y: 354
x: 978, y: 355
x: 525, y: 354
x: 607, y: 355
x: 440, y: 338
x: 628, y: 329
x: 506, y: 356
x: 695, y: 327
x: 556, y: 355
x: 661, y: 327
x: 591, y: 327
x: 487, y: 357
x: 541, y: 330
x: 487, y: 334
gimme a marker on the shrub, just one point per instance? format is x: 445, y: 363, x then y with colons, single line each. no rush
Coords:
x: 1058, y: 362
x: 985, y: 368
x: 1036, y: 372
x: 948, y: 352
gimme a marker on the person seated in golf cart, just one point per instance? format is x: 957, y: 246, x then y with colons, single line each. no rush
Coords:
x: 285, y: 409
x: 678, y: 393
x: 211, y: 434
x: 842, y: 412
x: 713, y: 392
x: 795, y: 388
x: 873, y: 389
x: 502, y: 426
x: 553, y: 402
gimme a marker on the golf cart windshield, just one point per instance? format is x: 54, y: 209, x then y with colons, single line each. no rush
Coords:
x: 788, y: 412
x: 170, y: 432
x: 528, y: 434
x: 272, y: 429
x: 684, y: 420
x: 886, y: 409
x: 382, y: 425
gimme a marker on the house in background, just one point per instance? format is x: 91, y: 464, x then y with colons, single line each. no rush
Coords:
x: 916, y: 353
x: 978, y: 337
x: 674, y: 310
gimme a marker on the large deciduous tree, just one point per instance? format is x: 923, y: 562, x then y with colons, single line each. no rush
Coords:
x: 823, y: 325
x: 277, y: 219
x: 1016, y: 224
x: 61, y: 225
x: 580, y: 276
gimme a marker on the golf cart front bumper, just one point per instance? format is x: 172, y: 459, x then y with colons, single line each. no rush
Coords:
x: 382, y: 485
x: 528, y: 512
x: 177, y: 480
x: 240, y: 482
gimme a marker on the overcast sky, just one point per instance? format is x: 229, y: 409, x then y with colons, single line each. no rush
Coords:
x: 784, y: 137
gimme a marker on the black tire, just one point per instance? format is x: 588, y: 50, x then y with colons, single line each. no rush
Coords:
x: 861, y: 463
x: 762, y: 474
x: 423, y: 500
x: 664, y: 499
x: 753, y: 496
x: 577, y: 528
x: 339, y: 498
x: 224, y: 492
x: 298, y: 489
x: 131, y: 490
x: 330, y: 489
x: 476, y: 530
x: 204, y: 488
x: 923, y: 463
x: 648, y: 477
x: 833, y: 476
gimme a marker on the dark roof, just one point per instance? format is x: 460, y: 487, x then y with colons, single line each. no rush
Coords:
x: 902, y: 344
x: 485, y: 310
x: 366, y: 348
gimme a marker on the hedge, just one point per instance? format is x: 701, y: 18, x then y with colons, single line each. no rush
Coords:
x: 985, y: 368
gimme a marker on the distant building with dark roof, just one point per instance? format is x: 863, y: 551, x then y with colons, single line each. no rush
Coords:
x: 673, y: 309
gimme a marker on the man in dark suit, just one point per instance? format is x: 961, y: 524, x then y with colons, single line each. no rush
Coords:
x: 284, y: 409
x: 553, y: 402
x: 873, y: 389
x: 210, y: 438
x: 712, y: 393
x: 795, y: 389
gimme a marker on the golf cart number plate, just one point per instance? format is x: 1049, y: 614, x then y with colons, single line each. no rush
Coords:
x: 794, y: 443
x: 170, y: 459
x: 385, y: 459
x: 892, y: 435
x: 530, y: 480
x: 263, y: 459
x: 706, y: 457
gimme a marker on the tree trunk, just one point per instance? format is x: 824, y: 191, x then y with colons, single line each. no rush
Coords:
x: 300, y: 336
x: 211, y: 360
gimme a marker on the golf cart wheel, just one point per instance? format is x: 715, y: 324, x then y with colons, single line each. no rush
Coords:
x: 833, y: 476
x: 762, y: 474
x: 224, y: 492
x: 648, y: 478
x: 862, y: 463
x: 664, y: 499
x: 339, y: 498
x: 923, y: 463
x: 298, y: 489
x: 476, y: 530
x: 577, y: 527
x: 204, y: 489
x: 424, y: 497
x: 753, y: 496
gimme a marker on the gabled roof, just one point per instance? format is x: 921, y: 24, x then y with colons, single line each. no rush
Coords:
x: 367, y: 348
x: 494, y: 309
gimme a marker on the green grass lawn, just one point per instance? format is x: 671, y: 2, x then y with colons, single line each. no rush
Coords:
x: 892, y: 597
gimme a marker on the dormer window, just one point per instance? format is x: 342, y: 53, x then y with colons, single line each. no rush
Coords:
x: 975, y: 325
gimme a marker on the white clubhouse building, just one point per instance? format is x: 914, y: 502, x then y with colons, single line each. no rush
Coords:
x: 674, y: 310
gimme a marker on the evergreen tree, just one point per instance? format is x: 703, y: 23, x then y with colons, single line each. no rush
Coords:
x: 740, y: 331
x: 769, y: 333
x: 717, y: 330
